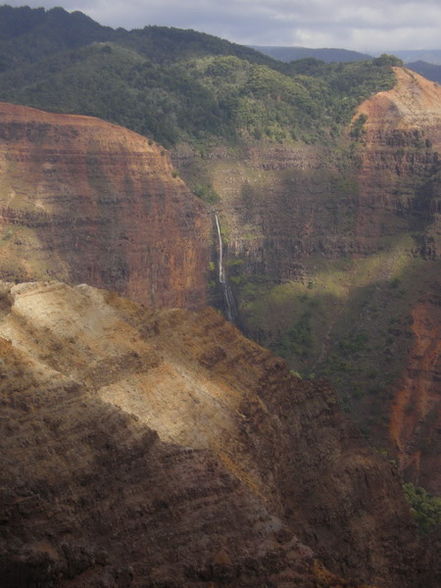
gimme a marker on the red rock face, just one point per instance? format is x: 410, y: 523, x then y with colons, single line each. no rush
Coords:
x: 361, y: 225
x: 415, y: 423
x: 88, y: 201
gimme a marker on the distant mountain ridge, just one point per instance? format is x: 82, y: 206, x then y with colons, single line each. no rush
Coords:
x: 411, y: 55
x: 173, y: 85
x: 334, y: 55
x: 288, y: 54
x: 28, y: 35
x: 428, y: 70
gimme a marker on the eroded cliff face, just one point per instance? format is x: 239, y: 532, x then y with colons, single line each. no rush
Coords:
x: 283, y: 205
x: 82, y: 200
x: 401, y: 161
x: 150, y: 448
x: 334, y: 251
x: 271, y: 203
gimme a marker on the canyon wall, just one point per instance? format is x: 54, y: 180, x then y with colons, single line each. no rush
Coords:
x: 400, y: 161
x: 333, y: 248
x: 146, y: 448
x: 87, y: 201
x: 400, y: 170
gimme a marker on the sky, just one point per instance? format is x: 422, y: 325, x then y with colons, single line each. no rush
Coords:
x: 372, y: 26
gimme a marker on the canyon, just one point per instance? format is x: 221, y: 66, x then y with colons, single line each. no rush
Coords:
x: 145, y: 440
x: 87, y: 201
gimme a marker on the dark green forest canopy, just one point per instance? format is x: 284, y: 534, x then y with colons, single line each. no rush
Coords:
x: 176, y: 85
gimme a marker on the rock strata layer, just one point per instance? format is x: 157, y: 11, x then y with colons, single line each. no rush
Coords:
x: 82, y: 200
x: 400, y: 163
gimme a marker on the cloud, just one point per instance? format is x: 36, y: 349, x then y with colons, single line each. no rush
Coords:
x: 374, y: 25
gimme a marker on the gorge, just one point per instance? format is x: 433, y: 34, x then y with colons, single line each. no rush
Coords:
x: 332, y: 258
x: 146, y: 440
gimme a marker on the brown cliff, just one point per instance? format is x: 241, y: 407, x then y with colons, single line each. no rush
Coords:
x: 87, y: 201
x: 164, y: 449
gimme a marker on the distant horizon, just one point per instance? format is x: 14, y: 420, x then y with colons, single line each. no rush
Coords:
x: 342, y: 48
x: 372, y: 27
x: 431, y: 56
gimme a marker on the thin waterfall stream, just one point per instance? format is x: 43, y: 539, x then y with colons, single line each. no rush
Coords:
x: 230, y: 303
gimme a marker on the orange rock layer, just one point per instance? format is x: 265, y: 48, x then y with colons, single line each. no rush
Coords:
x: 87, y: 201
x: 400, y: 160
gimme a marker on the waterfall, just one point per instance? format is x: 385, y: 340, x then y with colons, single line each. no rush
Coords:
x: 230, y: 303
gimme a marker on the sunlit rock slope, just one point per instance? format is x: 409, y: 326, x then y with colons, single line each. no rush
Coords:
x: 162, y: 448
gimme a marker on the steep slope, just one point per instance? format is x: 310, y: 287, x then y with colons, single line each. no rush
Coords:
x: 87, y: 201
x: 415, y: 422
x: 401, y: 136
x: 250, y: 464
x: 95, y: 498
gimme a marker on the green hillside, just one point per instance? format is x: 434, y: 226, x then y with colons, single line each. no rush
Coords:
x: 174, y: 85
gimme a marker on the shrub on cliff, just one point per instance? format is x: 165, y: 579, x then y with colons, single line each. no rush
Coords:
x: 425, y: 507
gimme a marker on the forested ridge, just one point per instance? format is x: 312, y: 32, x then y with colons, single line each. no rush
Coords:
x: 176, y: 85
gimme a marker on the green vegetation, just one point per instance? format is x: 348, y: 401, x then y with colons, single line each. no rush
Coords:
x: 174, y: 85
x: 357, y: 130
x: 425, y: 507
x: 206, y: 193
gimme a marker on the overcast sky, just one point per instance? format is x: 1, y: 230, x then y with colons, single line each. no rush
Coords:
x: 366, y: 25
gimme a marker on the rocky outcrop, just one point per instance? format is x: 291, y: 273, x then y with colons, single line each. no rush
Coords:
x: 82, y: 200
x: 150, y: 448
